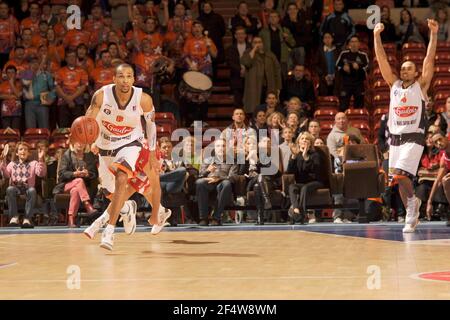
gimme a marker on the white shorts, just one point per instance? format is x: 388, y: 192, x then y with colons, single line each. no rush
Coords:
x: 405, y: 157
x: 124, y: 160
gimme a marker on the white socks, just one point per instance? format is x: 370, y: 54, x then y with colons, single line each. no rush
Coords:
x: 104, y: 218
x: 109, y: 228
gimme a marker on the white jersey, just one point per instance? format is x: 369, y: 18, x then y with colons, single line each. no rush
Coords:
x: 407, y: 109
x: 119, y: 127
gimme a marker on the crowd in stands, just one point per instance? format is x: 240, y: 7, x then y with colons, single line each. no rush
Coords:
x: 301, y: 73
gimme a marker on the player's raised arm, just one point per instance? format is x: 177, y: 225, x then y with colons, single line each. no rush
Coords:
x: 96, y: 103
x: 428, y: 62
x: 382, y: 59
x: 149, y: 116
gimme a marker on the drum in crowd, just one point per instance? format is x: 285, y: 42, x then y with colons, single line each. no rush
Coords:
x: 195, y: 87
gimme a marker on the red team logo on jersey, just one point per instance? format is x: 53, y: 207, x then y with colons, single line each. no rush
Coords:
x: 405, y: 111
x: 119, y: 118
x: 116, y: 130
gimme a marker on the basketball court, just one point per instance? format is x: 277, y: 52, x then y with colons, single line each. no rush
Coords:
x: 325, y: 261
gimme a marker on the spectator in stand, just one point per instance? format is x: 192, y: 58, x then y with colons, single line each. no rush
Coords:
x: 172, y: 175
x: 319, y: 142
x: 278, y: 40
x: 298, y: 26
x: 94, y: 23
x: 267, y: 6
x: 10, y: 96
x: 428, y: 169
x: 352, y: 65
x: 298, y: 85
x: 61, y: 26
x: 285, y: 148
x: 47, y: 15
x: 39, y: 94
x: 445, y: 116
x: 150, y: 32
x: 272, y: 104
x: 442, y: 177
x: 9, y: 28
x: 236, y: 133
x: 83, y: 60
x: 339, y: 24
x: 18, y: 61
x: 77, y: 169
x: 22, y: 179
x: 259, y: 124
x: 55, y: 48
x: 326, y: 66
x: 32, y: 22
x: 233, y: 56
x: 408, y: 31
x: 305, y: 165
x: 75, y: 37
x: 199, y: 50
x: 275, y: 124
x: 293, y: 122
x: 262, y: 74
x: 40, y: 38
x: 180, y: 11
x: 174, y: 43
x: 389, y: 33
x: 214, y: 175
x: 314, y: 128
x: 243, y: 19
x: 266, y: 178
x: 444, y: 24
x: 71, y: 83
x: 104, y: 73
x: 303, y: 110
x: 214, y: 26
x: 27, y: 44
x: 341, y: 128
x: 434, y: 118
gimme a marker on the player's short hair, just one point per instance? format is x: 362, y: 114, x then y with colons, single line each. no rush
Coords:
x: 123, y: 65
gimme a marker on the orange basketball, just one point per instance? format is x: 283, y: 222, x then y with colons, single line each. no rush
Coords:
x: 84, y: 130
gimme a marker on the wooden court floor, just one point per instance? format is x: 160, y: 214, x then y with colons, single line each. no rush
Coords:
x: 272, y: 264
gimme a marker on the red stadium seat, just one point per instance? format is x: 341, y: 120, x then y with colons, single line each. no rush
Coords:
x: 440, y: 98
x: 441, y: 85
x: 60, y: 134
x: 166, y: 118
x: 164, y: 130
x: 443, y: 46
x: 363, y: 126
x: 33, y: 134
x: 326, y: 127
x: 357, y: 114
x: 381, y: 100
x: 381, y: 87
x: 413, y: 48
x: 325, y: 114
x: 390, y: 48
x: 416, y: 58
x: 442, y: 59
x: 378, y: 113
x: 327, y: 101
x: 9, y: 135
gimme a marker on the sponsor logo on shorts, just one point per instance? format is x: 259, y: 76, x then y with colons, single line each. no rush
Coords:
x: 405, y: 111
x: 116, y: 130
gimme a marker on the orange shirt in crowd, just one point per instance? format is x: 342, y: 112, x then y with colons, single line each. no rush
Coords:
x: 187, y: 25
x: 10, y: 107
x: 56, y: 52
x: 102, y: 76
x: 9, y: 27
x: 156, y: 39
x: 144, y: 64
x: 76, y: 37
x: 93, y: 26
x: 87, y: 65
x: 29, y: 23
x: 69, y: 80
x: 196, y: 48
x: 37, y: 40
x: 29, y: 52
x: 60, y: 30
x: 20, y: 66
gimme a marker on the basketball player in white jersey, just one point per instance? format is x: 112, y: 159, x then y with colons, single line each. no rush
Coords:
x: 118, y: 108
x: 406, y: 121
